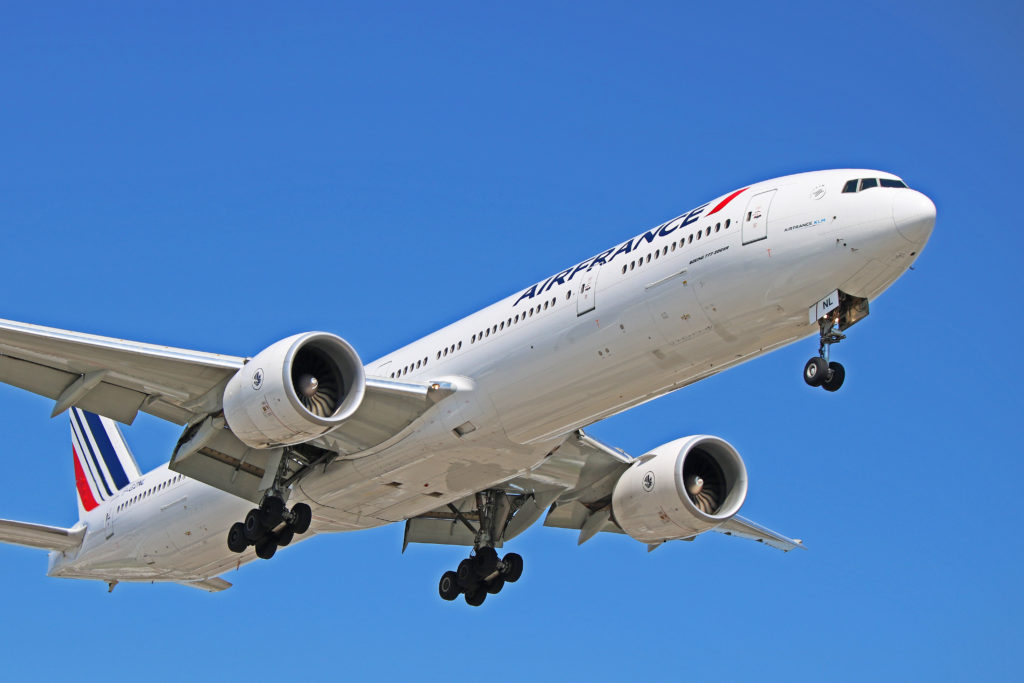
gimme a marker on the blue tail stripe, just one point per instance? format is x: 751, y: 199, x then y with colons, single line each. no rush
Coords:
x: 87, y: 446
x: 99, y: 433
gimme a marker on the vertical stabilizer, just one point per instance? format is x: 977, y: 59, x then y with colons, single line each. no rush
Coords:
x: 103, y: 462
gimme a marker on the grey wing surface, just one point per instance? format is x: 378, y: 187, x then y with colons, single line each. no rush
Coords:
x: 113, y: 377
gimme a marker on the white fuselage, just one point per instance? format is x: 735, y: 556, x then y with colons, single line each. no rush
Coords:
x: 646, y: 317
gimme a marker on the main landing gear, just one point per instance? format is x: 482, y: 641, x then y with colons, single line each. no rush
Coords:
x: 819, y: 371
x: 479, y: 574
x: 483, y: 572
x: 269, y: 527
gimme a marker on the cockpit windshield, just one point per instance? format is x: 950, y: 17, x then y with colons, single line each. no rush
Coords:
x: 859, y: 184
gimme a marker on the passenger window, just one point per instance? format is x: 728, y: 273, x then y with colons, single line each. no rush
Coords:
x: 728, y: 222
x: 865, y: 183
x: 850, y: 186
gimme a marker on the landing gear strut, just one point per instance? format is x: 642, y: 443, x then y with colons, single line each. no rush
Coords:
x: 483, y: 572
x: 269, y: 527
x: 819, y: 371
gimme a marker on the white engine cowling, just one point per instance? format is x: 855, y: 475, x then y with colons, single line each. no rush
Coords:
x: 294, y: 390
x: 683, y: 488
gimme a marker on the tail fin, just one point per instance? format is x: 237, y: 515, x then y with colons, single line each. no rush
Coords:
x: 103, y: 462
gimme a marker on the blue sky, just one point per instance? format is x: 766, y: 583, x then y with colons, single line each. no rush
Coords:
x: 219, y: 176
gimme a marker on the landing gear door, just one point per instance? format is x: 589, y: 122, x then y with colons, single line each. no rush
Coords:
x: 586, y: 292
x: 755, y: 220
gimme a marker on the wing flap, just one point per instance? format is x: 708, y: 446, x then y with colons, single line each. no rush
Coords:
x: 214, y: 585
x: 744, y: 528
x: 40, y: 535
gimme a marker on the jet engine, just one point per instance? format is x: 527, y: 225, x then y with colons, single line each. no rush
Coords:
x: 681, y: 489
x: 294, y: 390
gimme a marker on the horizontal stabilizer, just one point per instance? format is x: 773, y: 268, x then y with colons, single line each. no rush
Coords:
x: 214, y: 585
x: 40, y: 535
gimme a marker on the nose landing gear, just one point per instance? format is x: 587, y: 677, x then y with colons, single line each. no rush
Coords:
x: 835, y: 313
x: 819, y: 371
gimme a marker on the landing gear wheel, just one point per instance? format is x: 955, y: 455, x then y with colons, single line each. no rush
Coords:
x: 466, y: 575
x: 449, y: 586
x: 486, y: 561
x: 836, y: 375
x: 255, y: 529
x: 302, y: 516
x: 513, y: 568
x: 284, y: 537
x: 816, y: 371
x: 266, y: 549
x: 476, y: 597
x: 495, y: 586
x: 237, y: 542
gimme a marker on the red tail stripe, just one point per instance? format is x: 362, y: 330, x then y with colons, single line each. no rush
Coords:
x: 84, y: 492
x: 721, y: 204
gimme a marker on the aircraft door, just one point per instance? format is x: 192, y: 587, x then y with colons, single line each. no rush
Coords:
x: 586, y: 292
x: 755, y: 220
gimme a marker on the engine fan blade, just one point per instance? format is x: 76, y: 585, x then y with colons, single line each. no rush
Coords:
x: 317, y: 384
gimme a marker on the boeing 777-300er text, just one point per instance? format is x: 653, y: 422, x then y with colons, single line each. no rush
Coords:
x: 470, y: 434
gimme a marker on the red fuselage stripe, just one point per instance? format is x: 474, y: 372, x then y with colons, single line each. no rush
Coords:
x: 721, y: 204
x: 88, y: 502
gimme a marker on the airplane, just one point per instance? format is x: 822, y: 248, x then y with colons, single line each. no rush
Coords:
x: 473, y: 433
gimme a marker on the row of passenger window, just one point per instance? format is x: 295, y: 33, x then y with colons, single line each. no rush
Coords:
x: 706, y: 232
x: 485, y: 333
x: 514, y: 320
x: 148, y: 492
x: 856, y: 185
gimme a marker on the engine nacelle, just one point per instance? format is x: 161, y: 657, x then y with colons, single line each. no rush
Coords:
x: 294, y: 390
x: 683, y: 488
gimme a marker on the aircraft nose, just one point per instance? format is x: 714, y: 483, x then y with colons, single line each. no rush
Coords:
x: 914, y: 215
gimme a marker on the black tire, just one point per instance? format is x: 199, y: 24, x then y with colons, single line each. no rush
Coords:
x: 816, y: 371
x: 284, y: 537
x: 476, y: 597
x: 255, y: 529
x: 302, y: 517
x: 448, y: 587
x: 495, y: 586
x: 237, y: 542
x: 836, y: 376
x: 486, y: 561
x: 513, y: 568
x: 466, y: 576
x: 266, y: 549
x: 273, y: 511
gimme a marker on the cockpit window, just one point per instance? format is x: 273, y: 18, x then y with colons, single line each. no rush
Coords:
x: 850, y: 186
x: 889, y: 182
x: 865, y: 183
